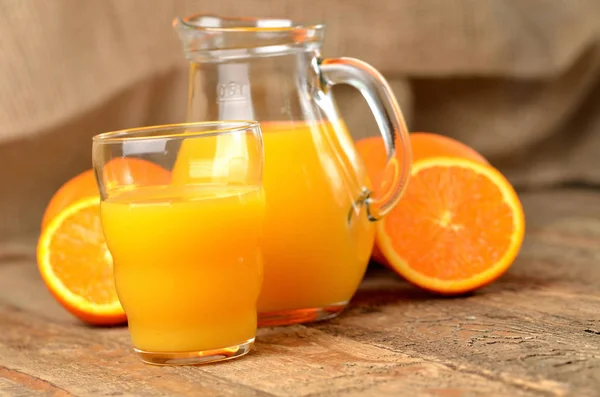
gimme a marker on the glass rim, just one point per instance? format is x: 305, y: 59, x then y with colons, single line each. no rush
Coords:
x: 188, y: 22
x: 176, y: 131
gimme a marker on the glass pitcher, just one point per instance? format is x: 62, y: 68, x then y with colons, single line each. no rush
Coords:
x: 321, y: 206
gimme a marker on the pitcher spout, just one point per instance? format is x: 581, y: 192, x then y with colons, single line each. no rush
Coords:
x: 208, y: 38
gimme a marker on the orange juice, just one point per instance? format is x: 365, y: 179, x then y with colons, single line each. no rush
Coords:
x: 316, y: 249
x: 187, y: 264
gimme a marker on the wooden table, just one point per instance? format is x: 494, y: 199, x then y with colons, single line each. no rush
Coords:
x: 535, y: 332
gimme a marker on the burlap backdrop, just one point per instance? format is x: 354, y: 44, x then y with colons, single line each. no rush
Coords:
x: 518, y: 80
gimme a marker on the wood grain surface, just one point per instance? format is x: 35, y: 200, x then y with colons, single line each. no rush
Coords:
x: 535, y: 332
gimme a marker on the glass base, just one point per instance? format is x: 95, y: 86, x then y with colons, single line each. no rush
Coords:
x: 195, y: 357
x: 299, y: 316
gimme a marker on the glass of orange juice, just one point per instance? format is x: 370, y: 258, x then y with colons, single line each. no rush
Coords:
x: 186, y: 248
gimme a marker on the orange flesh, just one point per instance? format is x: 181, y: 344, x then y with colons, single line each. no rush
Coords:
x: 80, y: 258
x: 424, y: 145
x: 462, y: 222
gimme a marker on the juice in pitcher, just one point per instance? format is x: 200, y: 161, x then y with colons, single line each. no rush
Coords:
x: 316, y: 245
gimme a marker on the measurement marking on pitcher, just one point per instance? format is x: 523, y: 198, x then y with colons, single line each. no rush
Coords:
x: 232, y: 91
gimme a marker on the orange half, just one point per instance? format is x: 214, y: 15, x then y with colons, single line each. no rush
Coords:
x: 459, y: 226
x: 77, y: 267
x: 119, y: 171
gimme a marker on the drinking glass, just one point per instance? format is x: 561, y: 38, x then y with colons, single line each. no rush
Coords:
x: 185, y: 246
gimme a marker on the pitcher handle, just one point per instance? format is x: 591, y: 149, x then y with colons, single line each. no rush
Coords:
x: 378, y: 94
